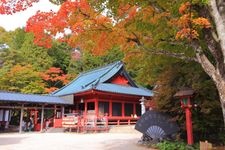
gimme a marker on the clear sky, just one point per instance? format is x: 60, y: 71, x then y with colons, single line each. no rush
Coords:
x: 11, y: 22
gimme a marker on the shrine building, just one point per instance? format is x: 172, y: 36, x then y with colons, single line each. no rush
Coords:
x: 108, y: 90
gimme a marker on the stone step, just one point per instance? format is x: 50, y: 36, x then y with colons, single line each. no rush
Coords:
x: 55, y: 130
x: 113, y: 129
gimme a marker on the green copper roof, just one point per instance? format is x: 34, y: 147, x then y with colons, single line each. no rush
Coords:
x: 98, y: 79
x: 30, y: 98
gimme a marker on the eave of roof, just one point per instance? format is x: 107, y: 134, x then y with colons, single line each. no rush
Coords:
x: 115, y: 88
x: 31, y: 98
x: 118, y: 89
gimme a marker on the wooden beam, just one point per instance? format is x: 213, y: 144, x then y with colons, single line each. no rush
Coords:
x: 19, y: 107
x: 21, y: 119
x: 110, y: 94
x: 110, y: 108
x: 123, y: 109
x: 42, y: 118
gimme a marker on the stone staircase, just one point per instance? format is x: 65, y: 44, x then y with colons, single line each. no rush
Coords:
x: 123, y: 129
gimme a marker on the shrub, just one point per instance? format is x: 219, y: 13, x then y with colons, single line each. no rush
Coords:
x: 167, y: 145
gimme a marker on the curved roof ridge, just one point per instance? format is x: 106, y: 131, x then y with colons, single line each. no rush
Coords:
x: 87, y: 73
x: 99, y: 68
x: 98, y: 79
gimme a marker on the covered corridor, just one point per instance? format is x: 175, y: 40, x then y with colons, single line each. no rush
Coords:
x: 30, y: 105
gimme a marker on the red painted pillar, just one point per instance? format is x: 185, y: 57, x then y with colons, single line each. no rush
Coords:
x: 189, y: 126
x: 96, y: 107
x: 186, y: 105
x: 110, y: 108
x: 123, y: 110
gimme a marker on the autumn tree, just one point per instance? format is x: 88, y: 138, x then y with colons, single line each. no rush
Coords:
x: 60, y: 53
x: 22, y: 79
x: 13, y: 6
x: 54, y: 78
x: 35, y: 55
x: 78, y: 24
x: 21, y: 50
x: 23, y: 54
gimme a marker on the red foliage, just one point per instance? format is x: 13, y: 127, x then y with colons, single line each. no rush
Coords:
x: 77, y: 17
x: 188, y: 24
x: 88, y: 29
x: 187, y: 33
x: 54, y: 74
x: 127, y: 10
x: 40, y: 24
x: 184, y: 8
x: 54, y: 78
x: 50, y: 90
x: 201, y: 22
x: 46, y: 25
x: 13, y: 6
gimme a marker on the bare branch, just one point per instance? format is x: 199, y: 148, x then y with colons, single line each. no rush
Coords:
x: 135, y: 40
x: 204, y: 61
x: 181, y: 56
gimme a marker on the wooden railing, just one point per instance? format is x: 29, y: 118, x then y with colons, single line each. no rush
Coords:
x: 122, y: 121
x: 86, y: 123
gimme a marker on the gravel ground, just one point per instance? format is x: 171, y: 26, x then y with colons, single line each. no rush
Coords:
x: 70, y: 141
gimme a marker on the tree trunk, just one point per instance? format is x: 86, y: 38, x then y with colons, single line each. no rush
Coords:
x: 215, y: 75
x: 220, y: 84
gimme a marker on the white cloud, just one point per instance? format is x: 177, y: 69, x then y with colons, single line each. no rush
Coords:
x: 11, y: 22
